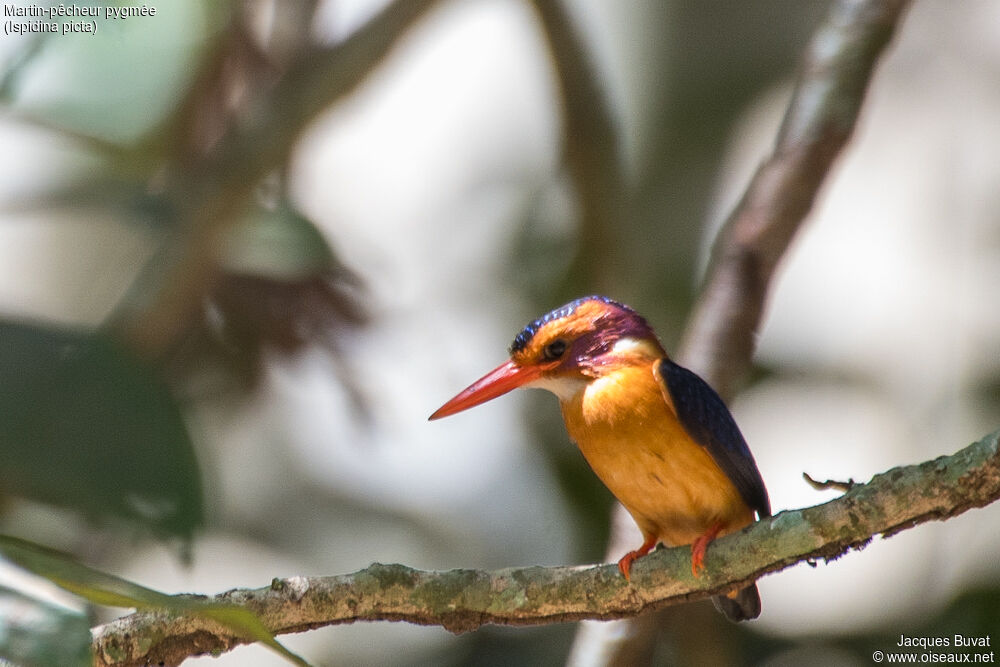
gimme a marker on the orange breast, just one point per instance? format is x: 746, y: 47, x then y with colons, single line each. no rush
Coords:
x: 633, y: 441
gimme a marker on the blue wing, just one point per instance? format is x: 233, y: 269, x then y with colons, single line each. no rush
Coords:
x: 708, y: 421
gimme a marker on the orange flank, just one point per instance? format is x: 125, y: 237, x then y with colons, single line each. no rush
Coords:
x: 631, y: 438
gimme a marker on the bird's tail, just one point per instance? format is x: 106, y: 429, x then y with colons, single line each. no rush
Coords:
x: 741, y: 605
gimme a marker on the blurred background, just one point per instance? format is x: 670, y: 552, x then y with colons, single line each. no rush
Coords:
x: 220, y: 342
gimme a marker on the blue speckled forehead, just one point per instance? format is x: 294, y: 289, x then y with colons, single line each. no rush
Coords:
x: 522, y: 339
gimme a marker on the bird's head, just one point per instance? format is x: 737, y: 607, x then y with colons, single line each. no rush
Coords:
x: 564, y: 350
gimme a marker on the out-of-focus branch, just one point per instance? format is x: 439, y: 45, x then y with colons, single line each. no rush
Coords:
x: 213, y: 192
x: 590, y: 146
x: 719, y: 338
x: 463, y: 600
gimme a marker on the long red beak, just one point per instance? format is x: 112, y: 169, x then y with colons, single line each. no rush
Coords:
x: 502, y: 379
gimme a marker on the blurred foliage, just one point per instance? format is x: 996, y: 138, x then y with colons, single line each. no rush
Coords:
x: 34, y: 631
x: 94, y: 421
x: 90, y: 87
x: 108, y: 590
x: 282, y: 288
x: 90, y: 427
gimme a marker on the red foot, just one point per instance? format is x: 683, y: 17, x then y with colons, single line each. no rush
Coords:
x: 625, y: 564
x: 699, y: 546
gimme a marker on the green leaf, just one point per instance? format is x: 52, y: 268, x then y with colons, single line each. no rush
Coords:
x: 278, y: 243
x: 17, y: 62
x: 111, y: 591
x: 248, y: 625
x: 34, y: 631
x: 121, y: 82
x: 89, y: 427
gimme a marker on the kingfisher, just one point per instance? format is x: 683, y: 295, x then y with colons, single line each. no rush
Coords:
x: 657, y: 435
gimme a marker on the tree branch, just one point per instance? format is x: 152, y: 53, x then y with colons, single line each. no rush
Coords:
x: 464, y: 600
x: 835, y: 73
x: 590, y: 148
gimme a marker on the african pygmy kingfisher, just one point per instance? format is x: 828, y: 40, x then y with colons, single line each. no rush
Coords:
x: 656, y: 434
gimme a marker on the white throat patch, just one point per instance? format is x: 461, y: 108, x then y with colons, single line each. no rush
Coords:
x: 565, y: 387
x: 626, y: 344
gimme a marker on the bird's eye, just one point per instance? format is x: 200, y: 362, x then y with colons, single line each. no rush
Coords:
x: 554, y: 350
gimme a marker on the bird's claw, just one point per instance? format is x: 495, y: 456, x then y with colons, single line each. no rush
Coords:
x: 698, y: 548
x: 625, y: 564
